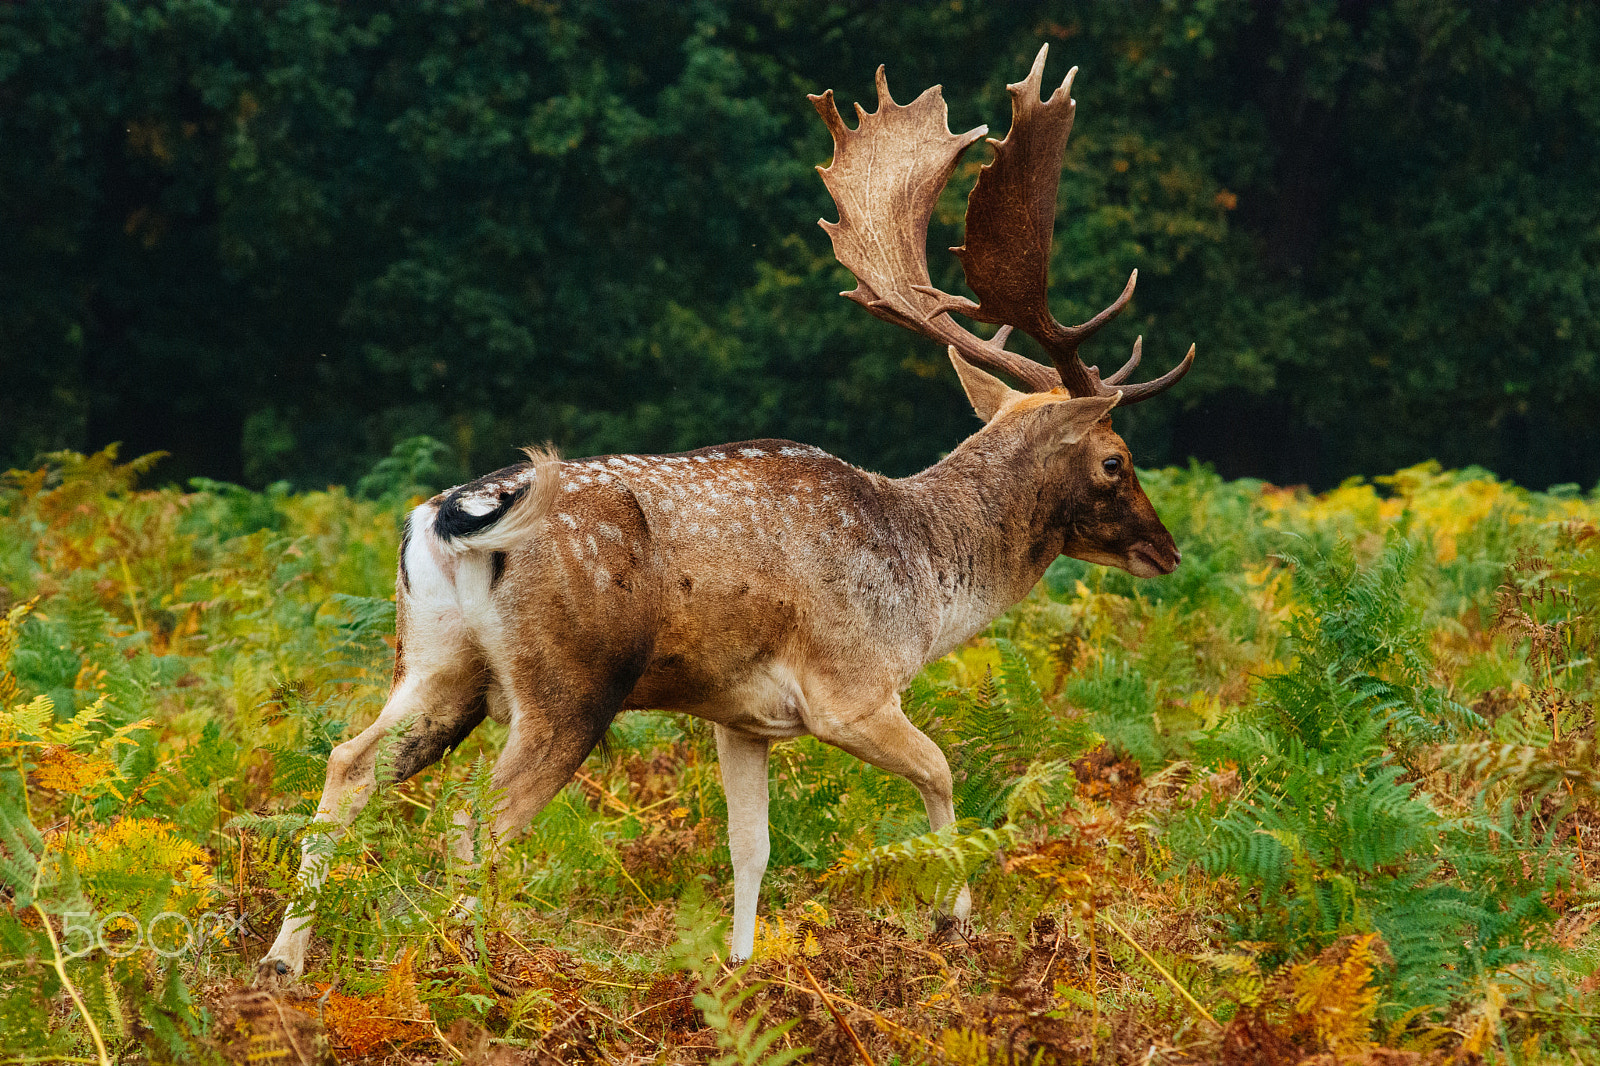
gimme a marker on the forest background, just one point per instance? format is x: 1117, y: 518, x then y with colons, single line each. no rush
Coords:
x: 275, y: 239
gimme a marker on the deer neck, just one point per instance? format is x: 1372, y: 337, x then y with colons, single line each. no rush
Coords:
x: 990, y: 516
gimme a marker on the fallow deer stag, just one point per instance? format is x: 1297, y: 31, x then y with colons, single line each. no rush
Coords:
x: 766, y: 586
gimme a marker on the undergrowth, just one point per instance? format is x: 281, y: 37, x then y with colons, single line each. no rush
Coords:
x: 1327, y: 789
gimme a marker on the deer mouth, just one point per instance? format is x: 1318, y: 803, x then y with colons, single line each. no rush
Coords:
x: 1144, y: 560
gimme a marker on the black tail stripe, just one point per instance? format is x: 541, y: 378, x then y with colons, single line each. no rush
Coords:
x: 453, y: 520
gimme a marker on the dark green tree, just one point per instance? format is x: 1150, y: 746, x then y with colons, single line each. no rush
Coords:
x: 275, y: 239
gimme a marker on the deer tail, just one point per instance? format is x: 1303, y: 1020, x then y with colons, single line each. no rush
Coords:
x: 503, y: 510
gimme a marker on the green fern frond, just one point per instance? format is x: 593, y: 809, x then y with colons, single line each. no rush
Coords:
x: 746, y: 1044
x: 1016, y: 681
x: 1329, y: 836
x: 1031, y: 793
x: 931, y: 868
x: 280, y: 826
x: 22, y: 849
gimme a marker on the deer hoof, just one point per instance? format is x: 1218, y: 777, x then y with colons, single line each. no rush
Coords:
x: 951, y: 931
x: 274, y: 973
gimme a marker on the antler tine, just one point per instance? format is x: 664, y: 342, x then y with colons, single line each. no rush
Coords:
x: 1076, y: 335
x: 1127, y: 368
x: 885, y: 178
x: 1010, y: 229
x: 1146, y: 389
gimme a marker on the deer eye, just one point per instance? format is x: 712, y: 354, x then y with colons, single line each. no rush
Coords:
x: 1112, y: 465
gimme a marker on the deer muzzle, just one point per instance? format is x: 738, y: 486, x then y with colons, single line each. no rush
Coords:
x: 1149, y: 559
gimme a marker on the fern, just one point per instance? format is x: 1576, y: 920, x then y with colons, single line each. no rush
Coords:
x: 22, y: 850
x: 746, y: 1044
x: 1328, y: 831
x: 1036, y: 791
x: 983, y: 756
x: 931, y: 868
x: 281, y: 826
x: 700, y: 932
x: 992, y: 731
x: 362, y: 623
x: 415, y: 467
x: 1570, y: 770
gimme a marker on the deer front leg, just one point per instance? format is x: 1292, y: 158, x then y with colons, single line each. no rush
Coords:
x: 743, y: 760
x: 885, y: 737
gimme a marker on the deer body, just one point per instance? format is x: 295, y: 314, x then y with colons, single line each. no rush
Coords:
x: 766, y: 586
x: 731, y: 581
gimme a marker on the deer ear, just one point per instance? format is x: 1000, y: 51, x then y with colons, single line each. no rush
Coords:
x: 1075, y: 417
x: 984, y: 391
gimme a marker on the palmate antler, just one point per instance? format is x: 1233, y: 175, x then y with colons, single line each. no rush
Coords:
x: 885, y: 178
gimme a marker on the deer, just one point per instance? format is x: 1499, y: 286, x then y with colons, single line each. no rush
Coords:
x: 765, y: 586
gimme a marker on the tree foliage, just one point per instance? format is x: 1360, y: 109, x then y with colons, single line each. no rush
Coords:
x: 276, y: 239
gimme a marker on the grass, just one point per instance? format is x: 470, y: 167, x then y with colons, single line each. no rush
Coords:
x: 1327, y: 789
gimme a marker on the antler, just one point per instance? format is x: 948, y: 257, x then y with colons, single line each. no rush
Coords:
x: 885, y: 178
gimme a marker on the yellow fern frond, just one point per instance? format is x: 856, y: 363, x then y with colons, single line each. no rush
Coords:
x: 107, y: 857
x: 1333, y: 996
x: 60, y: 768
x: 964, y: 1047
x: 392, y: 1015
x: 26, y: 720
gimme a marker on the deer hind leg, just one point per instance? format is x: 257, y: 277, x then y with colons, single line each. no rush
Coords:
x: 549, y: 739
x: 437, y: 703
x: 541, y: 754
x: 885, y: 737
